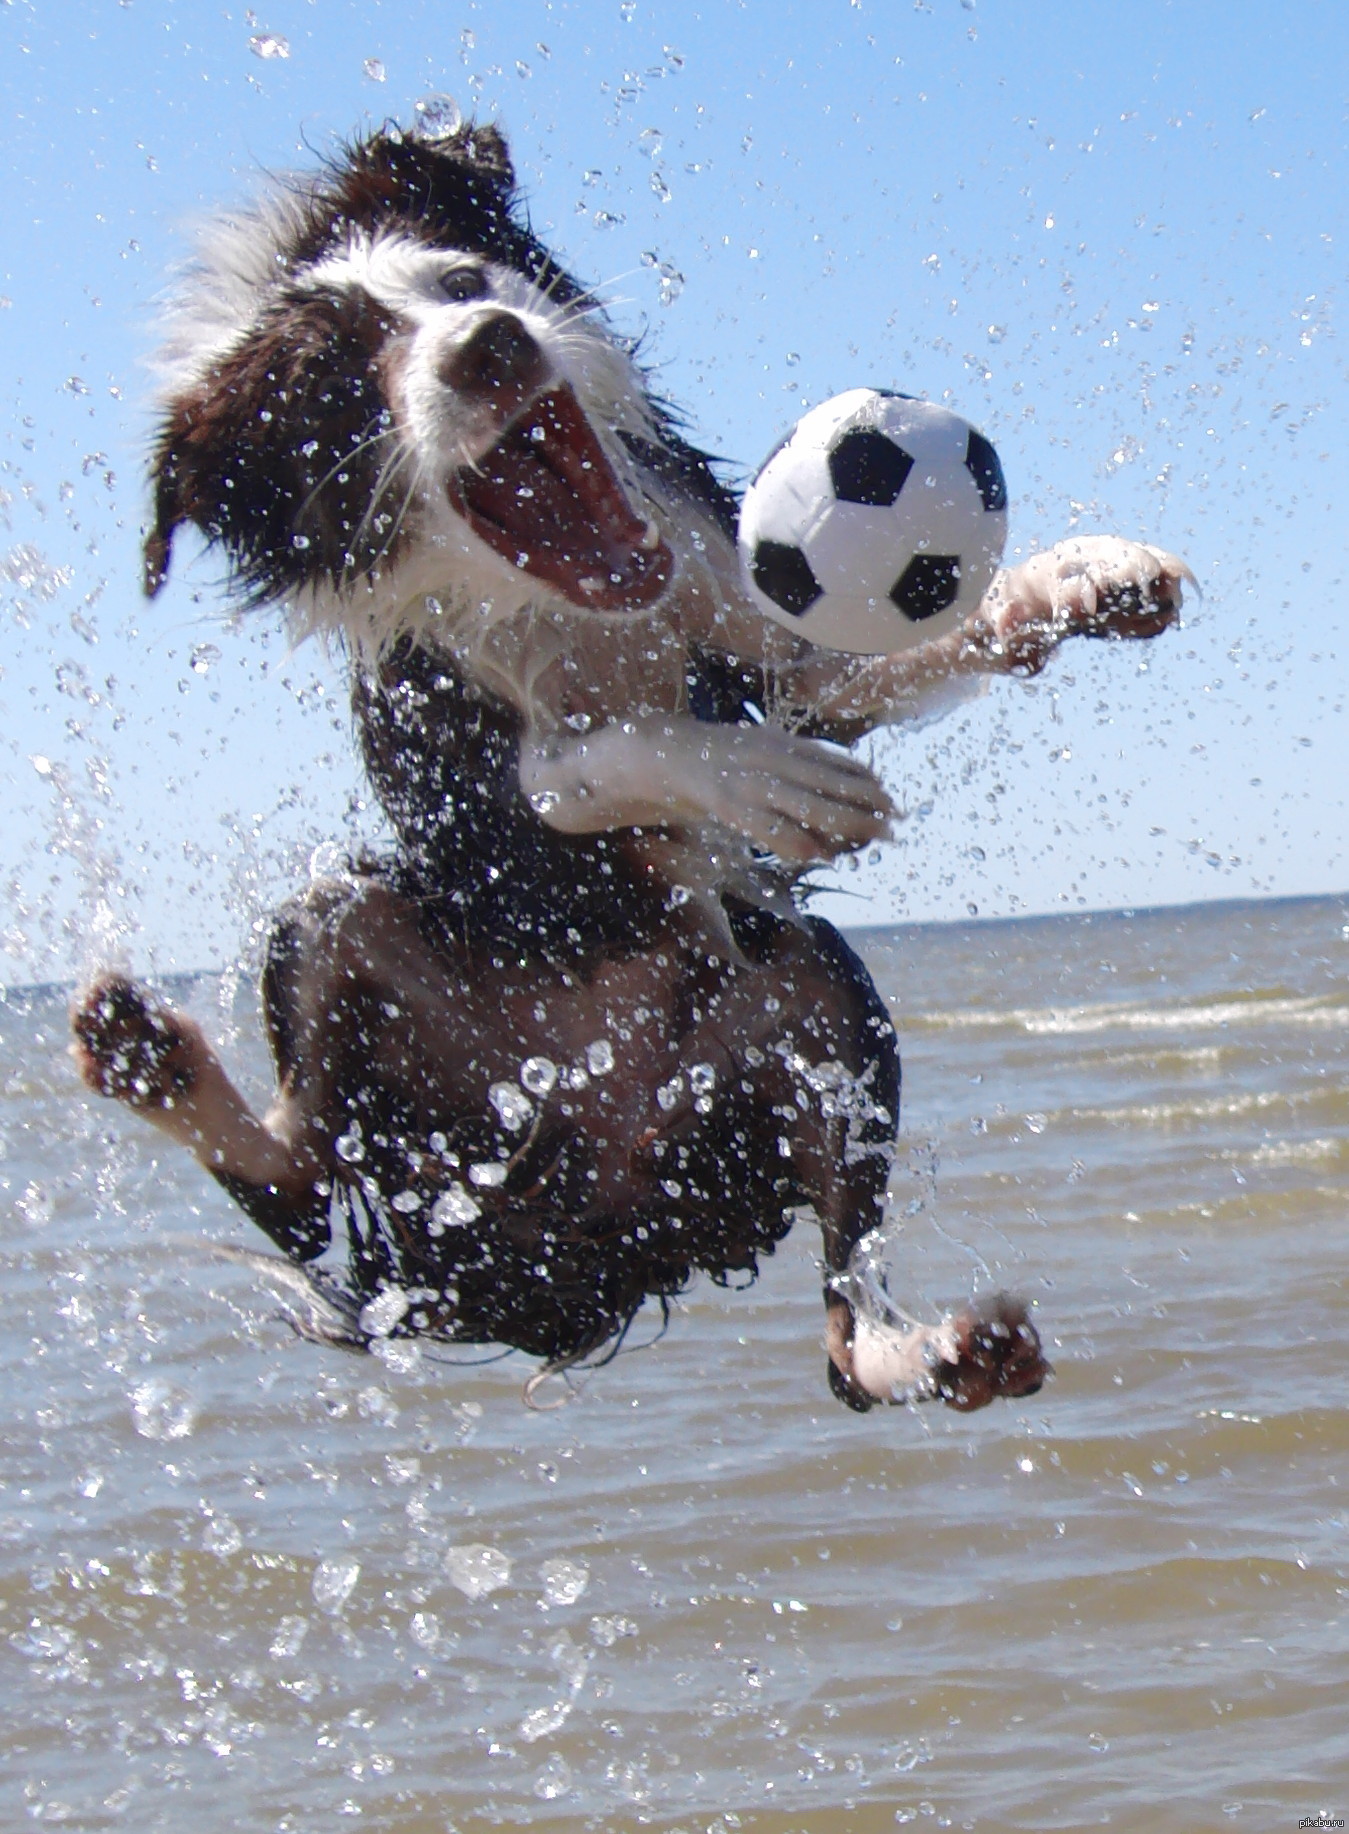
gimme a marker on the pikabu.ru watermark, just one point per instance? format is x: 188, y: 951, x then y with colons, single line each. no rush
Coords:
x: 1321, y: 1821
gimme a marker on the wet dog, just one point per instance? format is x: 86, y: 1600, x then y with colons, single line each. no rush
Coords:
x: 573, y: 1041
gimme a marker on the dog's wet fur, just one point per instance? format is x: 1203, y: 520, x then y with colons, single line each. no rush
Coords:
x: 572, y: 1041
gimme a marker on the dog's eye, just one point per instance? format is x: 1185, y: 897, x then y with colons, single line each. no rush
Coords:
x: 462, y: 283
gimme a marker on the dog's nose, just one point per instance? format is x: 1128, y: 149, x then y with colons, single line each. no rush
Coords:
x: 499, y: 362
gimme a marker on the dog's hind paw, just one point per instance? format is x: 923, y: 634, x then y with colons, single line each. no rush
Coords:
x: 997, y: 1354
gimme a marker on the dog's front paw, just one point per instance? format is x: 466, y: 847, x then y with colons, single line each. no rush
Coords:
x: 997, y: 1353
x: 131, y: 1048
x: 1089, y: 586
x: 794, y: 797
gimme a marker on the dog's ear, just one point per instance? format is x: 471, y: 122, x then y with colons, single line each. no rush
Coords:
x: 167, y: 514
x: 461, y: 184
x: 481, y: 145
x: 173, y: 496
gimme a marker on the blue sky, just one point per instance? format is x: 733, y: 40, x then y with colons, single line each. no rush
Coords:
x: 1115, y: 237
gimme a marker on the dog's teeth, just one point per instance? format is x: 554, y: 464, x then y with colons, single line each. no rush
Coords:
x: 650, y: 537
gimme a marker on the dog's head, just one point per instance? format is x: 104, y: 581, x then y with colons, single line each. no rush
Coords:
x: 385, y: 359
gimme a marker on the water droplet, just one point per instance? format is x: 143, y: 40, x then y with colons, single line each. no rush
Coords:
x: 454, y: 1209
x: 203, y: 658
x: 538, y: 1075
x: 269, y: 45
x: 600, y: 1057
x: 424, y: 1629
x: 222, y: 1537
x: 607, y: 1630
x: 329, y: 861
x: 477, y: 1569
x: 374, y: 69
x: 553, y: 1780
x: 334, y: 1582
x: 290, y: 1634
x: 381, y: 1315
x: 161, y: 1411
x: 564, y: 1580
x: 35, y: 1206
x: 438, y: 117
x: 349, y: 1147
x: 487, y: 1176
x: 996, y: 333
x: 543, y: 1720
x: 513, y: 1107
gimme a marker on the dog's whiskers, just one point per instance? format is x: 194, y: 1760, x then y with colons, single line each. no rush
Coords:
x: 578, y: 315
x: 344, y: 459
x: 385, y: 482
x: 408, y: 495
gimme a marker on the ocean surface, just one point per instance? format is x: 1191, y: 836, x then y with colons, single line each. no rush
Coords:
x: 246, y: 1583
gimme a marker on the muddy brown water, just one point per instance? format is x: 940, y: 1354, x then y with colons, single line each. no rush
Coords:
x: 249, y: 1584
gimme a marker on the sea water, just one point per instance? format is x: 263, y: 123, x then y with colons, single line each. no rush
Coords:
x: 246, y: 1583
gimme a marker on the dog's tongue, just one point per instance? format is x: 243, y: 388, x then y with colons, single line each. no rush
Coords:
x: 546, y: 498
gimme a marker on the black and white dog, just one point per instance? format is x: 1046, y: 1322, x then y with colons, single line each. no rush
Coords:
x: 573, y: 1041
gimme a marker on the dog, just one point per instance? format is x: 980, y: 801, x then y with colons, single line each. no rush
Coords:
x: 574, y: 1040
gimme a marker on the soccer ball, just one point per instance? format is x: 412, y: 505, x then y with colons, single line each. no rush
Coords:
x: 876, y: 524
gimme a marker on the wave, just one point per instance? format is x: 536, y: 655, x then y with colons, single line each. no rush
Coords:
x: 1160, y: 1114
x: 1309, y: 1011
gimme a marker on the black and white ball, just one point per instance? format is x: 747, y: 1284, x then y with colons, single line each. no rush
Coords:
x: 877, y: 523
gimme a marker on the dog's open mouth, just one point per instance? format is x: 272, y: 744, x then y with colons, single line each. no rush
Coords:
x: 545, y: 498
